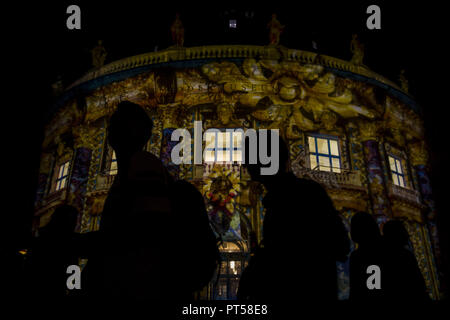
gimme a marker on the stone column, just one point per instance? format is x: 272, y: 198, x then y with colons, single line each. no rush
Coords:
x: 166, y: 149
x: 169, y: 115
x: 368, y: 131
x: 83, y: 145
x: 419, y: 159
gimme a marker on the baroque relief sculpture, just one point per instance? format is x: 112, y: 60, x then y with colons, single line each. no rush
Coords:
x: 354, y: 121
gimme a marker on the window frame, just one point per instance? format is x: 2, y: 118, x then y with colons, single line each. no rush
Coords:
x: 229, y: 149
x: 113, y: 160
x: 59, y: 178
x: 396, y: 173
x: 329, y: 156
x: 107, y: 160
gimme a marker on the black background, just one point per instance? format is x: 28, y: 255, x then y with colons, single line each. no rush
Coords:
x: 37, y: 48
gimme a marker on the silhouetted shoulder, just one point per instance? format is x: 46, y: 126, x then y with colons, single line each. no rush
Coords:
x: 146, y: 166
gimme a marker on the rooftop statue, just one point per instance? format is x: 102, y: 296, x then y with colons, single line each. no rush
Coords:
x: 276, y: 29
x: 98, y: 55
x: 357, y: 48
x: 403, y: 81
x: 177, y: 31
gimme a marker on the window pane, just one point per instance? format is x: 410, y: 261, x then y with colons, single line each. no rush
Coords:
x: 312, y: 144
x: 210, y: 140
x: 222, y: 289
x: 322, y: 146
x: 237, y: 139
x: 113, y: 157
x: 61, y: 171
x: 235, y: 268
x: 392, y: 163
x: 399, y: 167
x: 66, y: 169
x: 63, y: 183
x: 113, y: 168
x: 394, y: 178
x: 334, y: 147
x: 237, y: 155
x: 113, y: 165
x: 209, y: 155
x: 223, y: 155
x: 336, y: 165
x: 402, y: 181
x: 313, y: 161
x: 223, y: 140
x: 324, y: 163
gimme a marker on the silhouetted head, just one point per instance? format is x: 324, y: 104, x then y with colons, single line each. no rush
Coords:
x: 394, y: 233
x: 364, y: 228
x: 63, y: 220
x: 129, y: 129
x: 255, y: 169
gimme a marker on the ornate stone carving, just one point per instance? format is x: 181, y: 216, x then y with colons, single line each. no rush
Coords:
x: 329, y: 120
x: 84, y: 136
x: 369, y: 130
x: 177, y: 31
x: 63, y: 152
x: 46, y: 163
x: 98, y: 55
x: 225, y: 117
x: 357, y: 48
x: 418, y: 153
x: 403, y: 81
x: 171, y: 115
x: 276, y: 28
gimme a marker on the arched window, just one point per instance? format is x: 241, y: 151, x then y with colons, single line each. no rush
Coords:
x: 234, y: 257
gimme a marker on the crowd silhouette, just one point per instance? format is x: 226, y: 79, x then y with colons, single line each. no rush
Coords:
x: 155, y: 241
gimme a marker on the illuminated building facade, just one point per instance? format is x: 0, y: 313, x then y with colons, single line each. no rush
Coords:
x: 350, y: 129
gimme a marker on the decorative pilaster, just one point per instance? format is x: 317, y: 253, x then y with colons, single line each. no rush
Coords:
x: 170, y: 115
x: 419, y: 159
x: 166, y: 149
x: 83, y: 143
x: 377, y: 185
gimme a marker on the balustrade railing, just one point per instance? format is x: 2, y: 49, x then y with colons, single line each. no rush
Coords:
x: 229, y: 51
x: 403, y: 193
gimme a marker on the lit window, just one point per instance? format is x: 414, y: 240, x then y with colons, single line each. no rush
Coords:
x: 113, y: 167
x: 61, y: 179
x: 324, y: 154
x: 398, y: 176
x: 233, y: 24
x: 223, y: 146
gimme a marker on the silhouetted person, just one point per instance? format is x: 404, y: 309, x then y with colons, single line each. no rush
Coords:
x: 402, y: 278
x: 128, y: 261
x: 303, y: 237
x: 55, y: 249
x: 365, y: 232
x: 195, y: 255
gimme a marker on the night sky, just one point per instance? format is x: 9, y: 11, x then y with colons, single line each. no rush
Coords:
x: 39, y: 48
